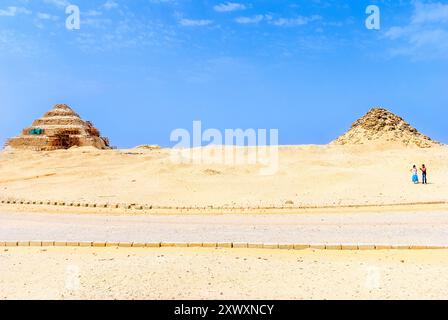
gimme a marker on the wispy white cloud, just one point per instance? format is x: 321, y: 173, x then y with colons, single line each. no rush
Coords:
x: 58, y: 3
x: 163, y: 1
x: 13, y: 11
x: 103, y: 33
x: 110, y: 4
x: 195, y: 23
x: 229, y: 7
x: 250, y: 20
x: 298, y: 21
x: 46, y: 16
x: 430, y: 13
x: 426, y: 34
x: 92, y: 13
x: 18, y: 44
x: 279, y: 22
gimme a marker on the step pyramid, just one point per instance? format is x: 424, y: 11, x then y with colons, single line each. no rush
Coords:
x: 59, y: 128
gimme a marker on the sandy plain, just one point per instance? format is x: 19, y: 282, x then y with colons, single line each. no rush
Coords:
x: 170, y: 273
x: 306, y: 176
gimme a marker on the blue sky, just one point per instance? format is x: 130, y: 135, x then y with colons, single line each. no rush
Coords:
x: 142, y: 68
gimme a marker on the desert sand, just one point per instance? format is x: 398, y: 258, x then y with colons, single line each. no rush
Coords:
x: 307, y: 176
x: 120, y: 273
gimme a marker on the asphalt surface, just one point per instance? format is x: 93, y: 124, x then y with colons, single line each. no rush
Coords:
x: 390, y: 228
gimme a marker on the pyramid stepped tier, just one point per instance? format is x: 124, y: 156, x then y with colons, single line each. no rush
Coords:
x: 58, y: 121
x: 60, y: 128
x: 382, y: 126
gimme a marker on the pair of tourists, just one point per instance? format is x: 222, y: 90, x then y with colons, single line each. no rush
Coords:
x: 424, y: 171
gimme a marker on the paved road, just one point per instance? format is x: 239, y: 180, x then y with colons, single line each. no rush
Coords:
x: 429, y: 228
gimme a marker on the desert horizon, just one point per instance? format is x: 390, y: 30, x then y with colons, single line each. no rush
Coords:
x: 343, y: 173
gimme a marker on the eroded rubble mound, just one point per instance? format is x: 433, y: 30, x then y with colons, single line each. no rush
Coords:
x: 382, y: 126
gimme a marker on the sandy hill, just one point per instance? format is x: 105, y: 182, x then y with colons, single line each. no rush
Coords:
x: 382, y: 126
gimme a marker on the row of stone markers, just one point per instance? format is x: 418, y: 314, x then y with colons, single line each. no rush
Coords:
x: 224, y: 245
x: 221, y: 209
x: 133, y: 206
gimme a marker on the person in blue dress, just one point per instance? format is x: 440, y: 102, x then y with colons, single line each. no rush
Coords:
x: 414, y: 174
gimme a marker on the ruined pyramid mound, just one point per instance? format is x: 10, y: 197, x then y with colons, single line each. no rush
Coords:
x: 59, y: 128
x: 382, y: 126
